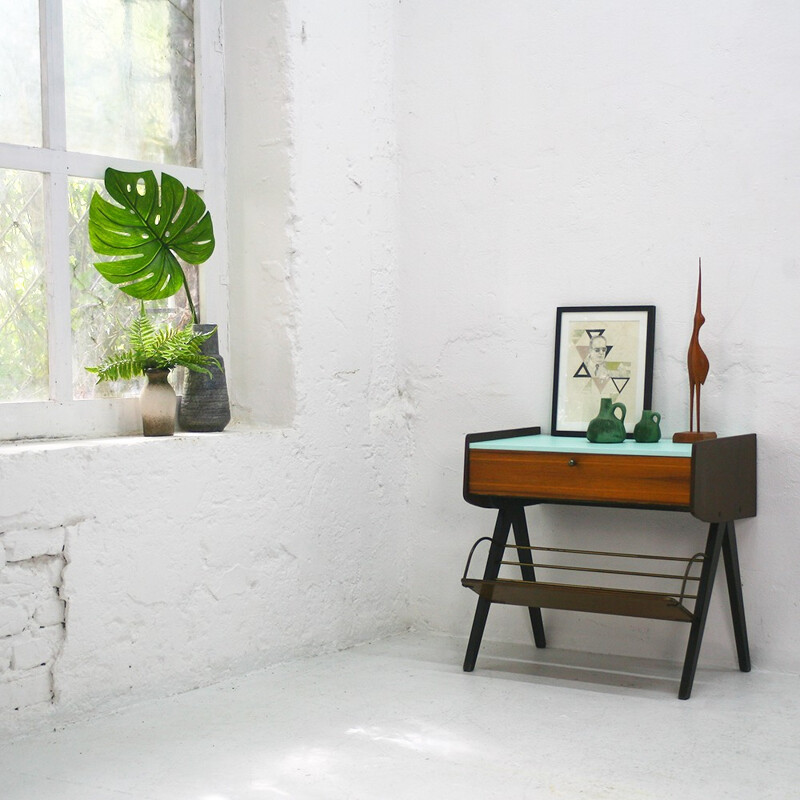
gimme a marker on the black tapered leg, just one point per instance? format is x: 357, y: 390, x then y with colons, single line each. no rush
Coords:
x: 716, y: 533
x: 496, y: 549
x: 730, y: 554
x: 520, y: 526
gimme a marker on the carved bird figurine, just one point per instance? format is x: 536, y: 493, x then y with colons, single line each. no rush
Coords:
x: 696, y: 359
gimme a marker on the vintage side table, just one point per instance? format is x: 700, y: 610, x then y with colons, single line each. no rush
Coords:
x: 713, y: 480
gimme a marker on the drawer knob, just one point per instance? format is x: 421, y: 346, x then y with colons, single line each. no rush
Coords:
x: 572, y: 463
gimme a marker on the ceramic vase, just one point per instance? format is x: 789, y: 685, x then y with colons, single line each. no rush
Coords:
x: 647, y: 428
x: 157, y: 403
x: 607, y: 427
x: 204, y: 405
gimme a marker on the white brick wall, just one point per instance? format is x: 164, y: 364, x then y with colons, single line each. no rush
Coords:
x: 26, y: 688
x: 31, y: 614
x: 24, y: 544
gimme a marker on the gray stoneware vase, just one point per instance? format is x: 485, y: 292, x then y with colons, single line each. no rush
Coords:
x: 204, y: 406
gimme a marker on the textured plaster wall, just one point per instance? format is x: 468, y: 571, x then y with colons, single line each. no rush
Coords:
x: 190, y: 558
x: 259, y: 202
x: 567, y: 153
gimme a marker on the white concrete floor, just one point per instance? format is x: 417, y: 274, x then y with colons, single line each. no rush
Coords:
x: 399, y: 719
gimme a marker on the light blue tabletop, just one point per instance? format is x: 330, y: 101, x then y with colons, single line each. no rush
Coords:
x: 579, y: 444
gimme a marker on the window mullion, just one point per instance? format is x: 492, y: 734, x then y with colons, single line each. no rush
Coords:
x: 88, y: 165
x: 58, y: 286
x: 211, y: 157
x: 54, y: 135
x: 54, y: 115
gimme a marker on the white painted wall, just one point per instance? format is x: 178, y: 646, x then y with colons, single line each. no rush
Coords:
x: 567, y: 153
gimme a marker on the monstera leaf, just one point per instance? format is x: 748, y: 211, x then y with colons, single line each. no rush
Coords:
x: 149, y: 230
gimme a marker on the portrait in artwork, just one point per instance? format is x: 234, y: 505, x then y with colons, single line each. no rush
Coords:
x: 602, y: 358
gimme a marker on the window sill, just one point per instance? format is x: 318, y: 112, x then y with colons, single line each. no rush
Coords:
x: 13, y: 446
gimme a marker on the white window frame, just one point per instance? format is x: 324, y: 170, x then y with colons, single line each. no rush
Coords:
x: 61, y: 416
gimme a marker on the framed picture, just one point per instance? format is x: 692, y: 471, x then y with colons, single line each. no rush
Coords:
x: 602, y: 351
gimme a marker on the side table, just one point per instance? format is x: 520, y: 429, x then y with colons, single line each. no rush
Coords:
x: 713, y: 480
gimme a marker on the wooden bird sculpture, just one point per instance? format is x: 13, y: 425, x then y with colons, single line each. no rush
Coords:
x: 697, y: 362
x: 696, y: 359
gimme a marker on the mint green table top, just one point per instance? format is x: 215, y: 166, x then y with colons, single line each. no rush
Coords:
x: 578, y: 444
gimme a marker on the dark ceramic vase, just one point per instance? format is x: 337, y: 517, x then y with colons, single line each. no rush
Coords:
x: 607, y: 427
x: 647, y: 429
x: 204, y: 406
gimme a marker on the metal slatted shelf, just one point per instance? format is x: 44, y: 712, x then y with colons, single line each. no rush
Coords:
x: 620, y: 600
x: 601, y: 600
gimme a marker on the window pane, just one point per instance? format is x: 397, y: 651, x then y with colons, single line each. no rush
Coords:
x: 20, y: 73
x: 100, y: 311
x: 129, y: 72
x: 23, y: 304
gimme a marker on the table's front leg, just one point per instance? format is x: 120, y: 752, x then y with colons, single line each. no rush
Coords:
x: 716, y: 533
x: 520, y: 526
x: 496, y: 550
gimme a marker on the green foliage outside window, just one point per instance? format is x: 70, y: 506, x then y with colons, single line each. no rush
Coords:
x: 23, y: 303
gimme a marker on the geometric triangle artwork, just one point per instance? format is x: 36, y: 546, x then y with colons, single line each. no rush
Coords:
x: 620, y: 383
x: 583, y: 351
x: 582, y: 372
x: 592, y: 332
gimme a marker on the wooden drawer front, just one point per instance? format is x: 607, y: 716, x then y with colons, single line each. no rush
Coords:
x: 638, y: 480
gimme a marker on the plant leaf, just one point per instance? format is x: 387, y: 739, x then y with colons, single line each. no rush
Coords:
x: 147, y: 230
x: 155, y: 349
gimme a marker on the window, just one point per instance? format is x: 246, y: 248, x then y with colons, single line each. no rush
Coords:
x: 84, y: 85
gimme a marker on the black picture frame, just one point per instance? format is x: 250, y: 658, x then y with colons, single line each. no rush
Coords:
x: 583, y: 372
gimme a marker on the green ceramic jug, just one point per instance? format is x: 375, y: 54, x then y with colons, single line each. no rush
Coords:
x: 607, y: 427
x: 647, y: 428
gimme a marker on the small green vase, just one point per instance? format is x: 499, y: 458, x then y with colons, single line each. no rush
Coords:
x: 647, y: 428
x: 607, y: 427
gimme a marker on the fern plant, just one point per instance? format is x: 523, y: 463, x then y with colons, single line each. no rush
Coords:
x: 151, y: 349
